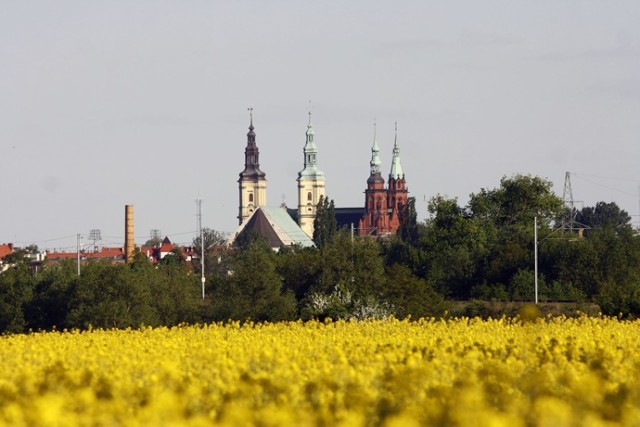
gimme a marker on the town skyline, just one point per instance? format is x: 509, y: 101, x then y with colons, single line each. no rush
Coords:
x: 107, y: 104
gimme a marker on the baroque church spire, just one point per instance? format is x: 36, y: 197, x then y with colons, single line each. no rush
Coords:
x: 396, y: 166
x: 251, y: 154
x: 311, y: 184
x: 375, y: 154
x: 252, y: 184
x: 310, y: 150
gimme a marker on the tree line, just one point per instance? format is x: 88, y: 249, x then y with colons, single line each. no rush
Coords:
x: 481, y: 251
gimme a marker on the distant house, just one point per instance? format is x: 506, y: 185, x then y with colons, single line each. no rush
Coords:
x: 5, y: 249
x: 156, y: 253
x: 115, y: 255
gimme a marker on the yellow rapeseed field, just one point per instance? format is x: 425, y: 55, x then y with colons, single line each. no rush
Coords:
x: 468, y: 372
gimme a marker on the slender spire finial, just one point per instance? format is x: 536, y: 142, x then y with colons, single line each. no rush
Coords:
x: 395, y: 142
x: 374, y: 130
x: 396, y: 166
x: 309, y: 112
x: 250, y: 109
x: 375, y: 158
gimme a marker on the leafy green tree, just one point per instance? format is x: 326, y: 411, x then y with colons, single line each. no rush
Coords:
x: 603, y: 215
x: 16, y: 290
x: 455, y: 248
x: 53, y: 291
x: 398, y: 251
x: 571, y: 266
x: 351, y: 280
x: 522, y: 285
x: 246, y: 238
x: 409, y: 295
x: 215, y: 252
x: 155, y: 242
x: 107, y: 296
x: 325, y: 224
x: 408, y: 230
x: 506, y: 215
x: 517, y: 201
x: 300, y: 269
x: 253, y: 290
x: 354, y: 263
x: 174, y: 258
x: 176, y: 295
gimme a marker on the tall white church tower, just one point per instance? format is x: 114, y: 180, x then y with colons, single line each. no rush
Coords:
x: 310, y: 184
x: 253, y: 182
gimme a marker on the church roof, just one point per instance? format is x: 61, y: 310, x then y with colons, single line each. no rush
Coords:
x: 276, y: 225
x: 347, y: 216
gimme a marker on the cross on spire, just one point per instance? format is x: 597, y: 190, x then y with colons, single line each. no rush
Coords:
x: 395, y: 142
x: 250, y: 110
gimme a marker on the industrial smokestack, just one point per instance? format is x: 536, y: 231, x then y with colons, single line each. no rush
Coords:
x: 129, y: 240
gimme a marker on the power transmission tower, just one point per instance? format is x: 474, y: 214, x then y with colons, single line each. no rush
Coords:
x: 571, y: 207
x: 569, y: 216
x: 95, y: 235
x: 155, y: 236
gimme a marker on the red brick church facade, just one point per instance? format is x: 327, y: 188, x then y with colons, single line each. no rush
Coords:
x: 383, y: 206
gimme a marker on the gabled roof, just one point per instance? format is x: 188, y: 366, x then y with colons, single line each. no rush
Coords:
x: 277, y: 226
x: 166, y: 245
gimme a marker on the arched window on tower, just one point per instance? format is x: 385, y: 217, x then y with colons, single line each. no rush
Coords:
x: 250, y: 197
x: 309, y: 196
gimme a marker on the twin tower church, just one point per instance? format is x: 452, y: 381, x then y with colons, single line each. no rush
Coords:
x: 284, y: 226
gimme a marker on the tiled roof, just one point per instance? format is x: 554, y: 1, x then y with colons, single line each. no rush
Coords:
x: 104, y: 253
x: 5, y: 250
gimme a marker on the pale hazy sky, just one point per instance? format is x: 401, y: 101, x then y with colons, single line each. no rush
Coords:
x: 107, y: 103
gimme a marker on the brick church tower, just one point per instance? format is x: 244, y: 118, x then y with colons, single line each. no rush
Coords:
x: 397, y: 194
x: 383, y: 206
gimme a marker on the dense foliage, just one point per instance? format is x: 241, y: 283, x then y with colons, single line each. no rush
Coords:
x: 466, y: 372
x: 482, y: 251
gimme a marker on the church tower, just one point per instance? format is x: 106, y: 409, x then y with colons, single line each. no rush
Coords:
x: 253, y: 182
x: 397, y: 194
x: 311, y: 184
x: 375, y: 220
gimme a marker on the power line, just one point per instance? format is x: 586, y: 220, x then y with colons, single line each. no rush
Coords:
x: 605, y: 186
x: 605, y: 177
x: 47, y: 240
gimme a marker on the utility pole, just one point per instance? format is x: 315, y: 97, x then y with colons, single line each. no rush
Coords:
x: 202, y: 278
x: 535, y: 256
x: 78, y: 251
